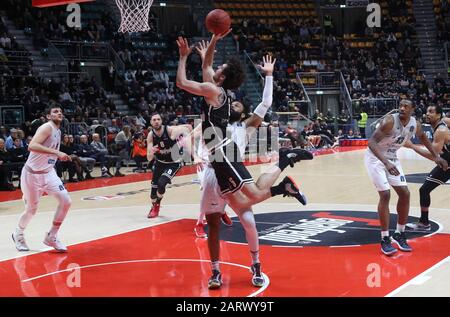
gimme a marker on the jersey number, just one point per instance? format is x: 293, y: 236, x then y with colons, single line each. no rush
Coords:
x: 400, y: 140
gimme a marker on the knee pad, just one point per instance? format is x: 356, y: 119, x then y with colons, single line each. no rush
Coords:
x: 162, y: 183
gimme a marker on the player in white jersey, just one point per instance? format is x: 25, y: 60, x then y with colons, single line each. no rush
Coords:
x: 385, y: 170
x: 39, y: 177
x: 213, y: 203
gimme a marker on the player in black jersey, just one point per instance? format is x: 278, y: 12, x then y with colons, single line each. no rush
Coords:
x: 233, y: 177
x: 441, y: 144
x: 162, y: 145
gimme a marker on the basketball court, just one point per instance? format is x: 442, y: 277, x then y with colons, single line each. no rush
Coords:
x: 328, y: 248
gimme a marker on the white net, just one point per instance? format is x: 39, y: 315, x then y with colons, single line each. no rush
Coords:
x: 134, y: 15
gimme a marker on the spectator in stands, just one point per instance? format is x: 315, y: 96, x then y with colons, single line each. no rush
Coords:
x: 5, y: 184
x: 343, y: 121
x: 356, y: 84
x: 292, y: 133
x: 18, y: 156
x: 9, y: 143
x: 362, y: 123
x: 140, y: 120
x: 3, y: 133
x: 87, y: 164
x: 350, y: 135
x: 88, y: 155
x: 73, y: 166
x: 123, y: 138
x: 102, y: 156
x: 139, y: 151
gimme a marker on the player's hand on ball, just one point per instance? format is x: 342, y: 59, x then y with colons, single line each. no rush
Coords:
x: 183, y: 47
x: 216, y: 37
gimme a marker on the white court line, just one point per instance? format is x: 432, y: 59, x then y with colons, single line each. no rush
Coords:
x: 260, y: 290
x: 89, y: 240
x: 287, y: 246
x: 345, y: 246
x: 419, y: 279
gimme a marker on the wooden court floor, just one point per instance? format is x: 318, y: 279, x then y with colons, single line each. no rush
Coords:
x: 112, y: 242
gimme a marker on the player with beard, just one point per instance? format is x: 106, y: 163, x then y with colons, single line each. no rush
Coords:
x: 234, y: 180
x: 437, y: 177
x: 162, y: 145
x: 39, y: 177
x: 241, y: 127
x: 385, y: 170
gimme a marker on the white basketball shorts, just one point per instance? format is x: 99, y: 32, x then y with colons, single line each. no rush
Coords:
x: 380, y: 176
x: 211, y: 201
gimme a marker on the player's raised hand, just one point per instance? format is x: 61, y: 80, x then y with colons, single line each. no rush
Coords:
x: 217, y: 37
x: 201, y: 48
x: 268, y: 65
x: 183, y: 47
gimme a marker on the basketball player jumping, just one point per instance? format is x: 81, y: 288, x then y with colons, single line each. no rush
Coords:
x: 39, y: 177
x: 385, y: 169
x: 233, y: 177
x: 213, y: 205
x: 441, y: 144
x: 161, y: 141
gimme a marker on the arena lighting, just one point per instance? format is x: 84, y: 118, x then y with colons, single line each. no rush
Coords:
x: 343, y: 6
x: 81, y: 63
x: 319, y: 92
x: 162, y: 4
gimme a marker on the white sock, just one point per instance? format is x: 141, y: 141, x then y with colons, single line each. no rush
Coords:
x: 255, y: 256
x: 201, y: 218
x: 384, y: 234
x: 54, y: 230
x: 248, y: 222
x: 215, y: 265
x: 400, y: 228
x: 19, y: 230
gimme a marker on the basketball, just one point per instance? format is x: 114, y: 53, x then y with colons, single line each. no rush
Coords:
x: 218, y: 21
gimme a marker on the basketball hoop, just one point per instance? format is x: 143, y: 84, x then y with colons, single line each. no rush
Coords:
x: 134, y: 15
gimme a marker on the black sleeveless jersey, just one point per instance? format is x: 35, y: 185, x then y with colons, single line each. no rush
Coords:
x: 164, y: 144
x: 446, y: 149
x: 215, y: 121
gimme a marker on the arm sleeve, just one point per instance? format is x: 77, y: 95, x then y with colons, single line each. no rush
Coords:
x: 262, y: 108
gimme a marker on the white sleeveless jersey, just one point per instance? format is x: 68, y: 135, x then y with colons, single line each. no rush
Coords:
x: 238, y: 135
x: 397, y: 137
x: 43, y: 161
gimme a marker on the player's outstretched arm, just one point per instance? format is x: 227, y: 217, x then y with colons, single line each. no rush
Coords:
x: 258, y: 115
x: 207, y: 69
x: 208, y: 90
x: 381, y: 132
